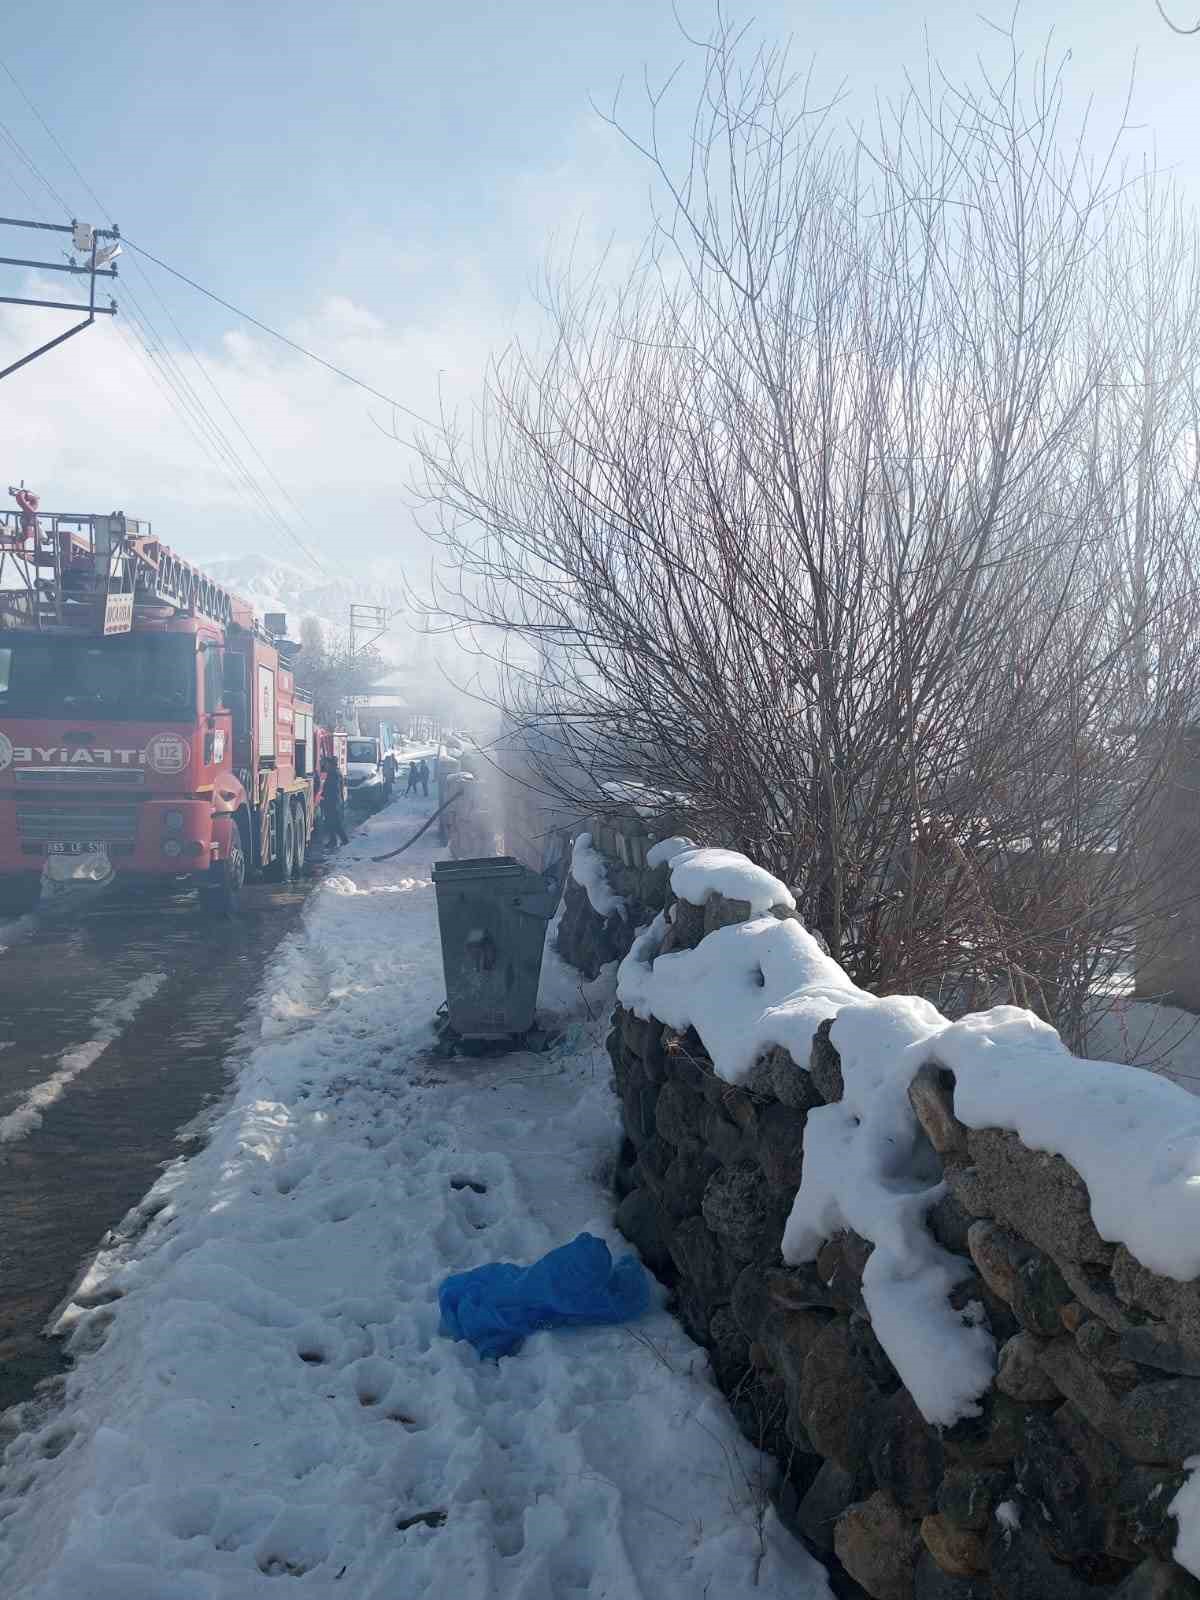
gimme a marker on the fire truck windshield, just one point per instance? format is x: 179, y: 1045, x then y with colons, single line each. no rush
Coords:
x: 130, y: 677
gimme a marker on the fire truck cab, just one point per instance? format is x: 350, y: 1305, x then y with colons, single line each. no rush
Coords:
x: 150, y: 724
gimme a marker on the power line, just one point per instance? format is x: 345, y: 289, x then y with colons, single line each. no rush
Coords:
x: 163, y: 365
x: 387, y: 399
x: 69, y: 159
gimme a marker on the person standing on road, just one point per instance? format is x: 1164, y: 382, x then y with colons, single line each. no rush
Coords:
x: 423, y: 776
x: 412, y: 779
x: 333, y: 803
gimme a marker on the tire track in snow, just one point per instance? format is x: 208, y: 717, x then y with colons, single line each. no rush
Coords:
x: 110, y: 1021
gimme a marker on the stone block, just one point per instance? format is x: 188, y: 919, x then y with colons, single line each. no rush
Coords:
x: 739, y: 1206
x: 948, y: 1222
x: 1019, y: 1373
x: 825, y: 1065
x: 1094, y: 1289
x: 1169, y: 1301
x: 678, y: 1114
x: 639, y: 1100
x: 751, y: 1300
x: 833, y: 1393
x: 991, y: 1439
x: 760, y: 1408
x: 1050, y: 1476
x: 1155, y: 1422
x: 1021, y: 1568
x: 957, y: 1551
x: 1039, y: 1195
x: 967, y: 1496
x: 1149, y: 1348
x: 1139, y: 1521
x: 801, y: 1289
x: 725, y: 1139
x: 728, y: 1348
x: 967, y: 1187
x: 905, y: 1453
x: 831, y: 1492
x: 1158, y: 1580
x: 1102, y: 1348
x: 687, y: 924
x: 791, y: 1084
x: 702, y: 1265
x: 931, y: 1583
x: 640, y: 1218
x: 995, y: 1251
x: 722, y: 913
x: 625, y: 1176
x: 878, y: 1546
x: 686, y: 1179
x: 931, y: 1095
x: 787, y: 1337
x: 779, y: 1143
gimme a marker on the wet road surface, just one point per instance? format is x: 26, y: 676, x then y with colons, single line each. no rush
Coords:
x: 120, y: 1020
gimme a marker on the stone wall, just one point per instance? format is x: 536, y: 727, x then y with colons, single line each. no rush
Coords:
x: 1060, y: 1488
x: 589, y: 941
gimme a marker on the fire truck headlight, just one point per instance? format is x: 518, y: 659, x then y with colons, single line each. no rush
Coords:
x: 172, y: 821
x: 172, y: 847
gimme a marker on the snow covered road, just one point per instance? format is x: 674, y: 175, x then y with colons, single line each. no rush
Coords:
x: 270, y: 1397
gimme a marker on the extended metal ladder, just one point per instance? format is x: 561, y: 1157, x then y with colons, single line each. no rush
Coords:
x: 68, y: 566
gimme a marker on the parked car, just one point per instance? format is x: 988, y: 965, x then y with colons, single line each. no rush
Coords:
x: 369, y: 773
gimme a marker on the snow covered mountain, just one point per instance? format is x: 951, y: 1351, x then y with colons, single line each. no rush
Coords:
x: 423, y: 666
x: 273, y: 585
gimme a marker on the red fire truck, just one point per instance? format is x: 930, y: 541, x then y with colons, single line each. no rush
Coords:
x: 150, y: 725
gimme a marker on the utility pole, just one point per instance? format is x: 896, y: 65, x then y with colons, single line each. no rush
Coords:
x: 368, y: 624
x: 99, y: 262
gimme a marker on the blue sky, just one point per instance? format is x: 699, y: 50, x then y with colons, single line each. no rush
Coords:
x: 384, y: 181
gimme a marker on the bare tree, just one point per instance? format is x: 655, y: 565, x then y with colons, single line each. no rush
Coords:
x: 332, y: 673
x: 855, y: 523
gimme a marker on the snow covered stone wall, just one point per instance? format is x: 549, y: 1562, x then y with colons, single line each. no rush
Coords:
x: 946, y: 1273
x: 616, y: 882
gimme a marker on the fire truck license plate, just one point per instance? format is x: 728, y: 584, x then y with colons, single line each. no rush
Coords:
x: 78, y: 848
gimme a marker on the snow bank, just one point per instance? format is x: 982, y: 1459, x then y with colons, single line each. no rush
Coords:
x: 590, y: 873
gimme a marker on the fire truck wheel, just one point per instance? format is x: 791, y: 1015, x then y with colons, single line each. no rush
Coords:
x: 221, y: 895
x: 19, y: 894
x: 280, y: 870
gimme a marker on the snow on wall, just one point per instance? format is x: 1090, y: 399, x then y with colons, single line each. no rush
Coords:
x: 698, y: 873
x: 744, y: 988
x: 1134, y: 1138
x: 589, y: 871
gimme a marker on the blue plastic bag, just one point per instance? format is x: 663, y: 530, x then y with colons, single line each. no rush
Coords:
x: 496, y: 1306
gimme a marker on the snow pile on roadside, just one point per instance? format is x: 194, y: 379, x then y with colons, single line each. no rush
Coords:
x: 590, y: 873
x: 1133, y: 1137
x: 270, y: 1395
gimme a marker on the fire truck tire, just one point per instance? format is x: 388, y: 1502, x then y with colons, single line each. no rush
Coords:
x: 19, y: 894
x: 280, y: 870
x: 222, y: 894
x: 299, y: 838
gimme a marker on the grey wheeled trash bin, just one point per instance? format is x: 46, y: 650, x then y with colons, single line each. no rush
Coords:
x: 492, y: 914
